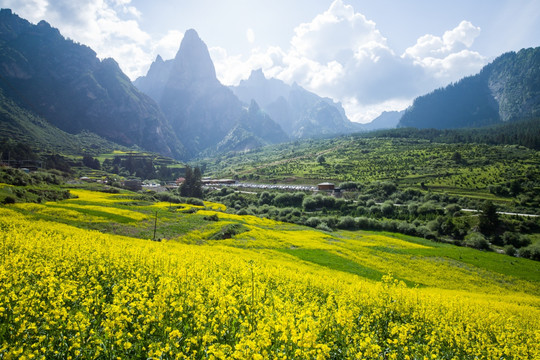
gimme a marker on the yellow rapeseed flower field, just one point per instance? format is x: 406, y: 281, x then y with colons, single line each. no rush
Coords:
x: 71, y: 293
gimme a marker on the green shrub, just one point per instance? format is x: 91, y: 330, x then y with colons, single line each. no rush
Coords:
x: 510, y: 250
x: 346, y: 222
x: 515, y: 239
x: 324, y: 227
x: 9, y: 200
x: 228, y: 231
x: 530, y: 252
x: 476, y: 240
x: 194, y: 201
x: 313, y: 221
x: 213, y: 217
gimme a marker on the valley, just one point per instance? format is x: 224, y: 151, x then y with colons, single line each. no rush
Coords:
x: 176, y: 215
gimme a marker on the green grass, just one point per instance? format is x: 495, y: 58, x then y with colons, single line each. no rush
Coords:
x: 503, y: 264
x: 333, y: 261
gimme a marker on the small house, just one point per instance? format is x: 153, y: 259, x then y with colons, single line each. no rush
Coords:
x: 326, y: 186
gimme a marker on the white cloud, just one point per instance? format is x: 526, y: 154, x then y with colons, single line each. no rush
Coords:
x: 168, y: 45
x: 335, y: 34
x: 341, y: 54
x: 449, y: 57
x: 363, y: 113
x: 109, y: 27
x: 32, y: 10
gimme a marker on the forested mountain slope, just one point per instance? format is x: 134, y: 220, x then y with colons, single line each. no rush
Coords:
x: 508, y: 89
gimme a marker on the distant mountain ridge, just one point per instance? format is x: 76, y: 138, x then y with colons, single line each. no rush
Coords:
x: 507, y: 89
x: 300, y: 113
x: 387, y: 120
x: 66, y: 84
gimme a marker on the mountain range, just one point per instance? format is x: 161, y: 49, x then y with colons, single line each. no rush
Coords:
x: 299, y: 112
x: 203, y: 112
x: 67, y: 85
x: 55, y: 92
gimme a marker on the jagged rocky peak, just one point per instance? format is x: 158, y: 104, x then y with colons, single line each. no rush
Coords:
x: 159, y: 63
x: 254, y: 107
x: 256, y: 77
x: 192, y: 62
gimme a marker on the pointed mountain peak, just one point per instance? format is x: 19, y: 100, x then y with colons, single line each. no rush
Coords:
x: 191, y: 35
x: 253, y: 107
x: 191, y: 42
x: 192, y: 62
x: 159, y: 59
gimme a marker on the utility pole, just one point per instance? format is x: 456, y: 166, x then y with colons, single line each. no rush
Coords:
x: 155, y: 227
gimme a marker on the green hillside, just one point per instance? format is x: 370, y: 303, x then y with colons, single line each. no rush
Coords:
x: 22, y: 126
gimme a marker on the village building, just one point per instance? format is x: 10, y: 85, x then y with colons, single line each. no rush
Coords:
x: 326, y: 186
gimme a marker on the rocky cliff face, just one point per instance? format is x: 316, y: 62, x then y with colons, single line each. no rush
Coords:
x: 299, y: 112
x: 514, y: 82
x: 70, y: 87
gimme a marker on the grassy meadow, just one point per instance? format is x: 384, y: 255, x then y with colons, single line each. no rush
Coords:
x: 81, y: 278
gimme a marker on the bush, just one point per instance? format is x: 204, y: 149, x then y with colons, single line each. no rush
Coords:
x: 228, y: 231
x: 194, y: 201
x: 530, y: 252
x: 514, y: 239
x: 9, y: 200
x: 324, y: 227
x: 310, y: 203
x: 168, y: 197
x: 349, y: 185
x: 346, y: 222
x: 425, y: 232
x: 287, y: 199
x: 265, y: 198
x: 510, y: 250
x: 452, y: 209
x: 313, y: 221
x: 477, y: 241
x: 387, y: 209
x: 330, y: 221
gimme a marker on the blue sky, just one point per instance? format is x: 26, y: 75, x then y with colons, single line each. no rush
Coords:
x: 370, y: 55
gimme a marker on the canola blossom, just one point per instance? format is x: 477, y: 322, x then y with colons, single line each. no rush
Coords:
x: 70, y: 293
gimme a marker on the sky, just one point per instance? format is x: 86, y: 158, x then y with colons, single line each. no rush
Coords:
x: 371, y: 56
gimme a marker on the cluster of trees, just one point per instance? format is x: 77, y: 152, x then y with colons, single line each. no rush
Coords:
x: 383, y: 206
x: 15, y: 151
x: 192, y: 185
x: 525, y: 133
x: 31, y: 187
x: 132, y: 165
x: 91, y: 162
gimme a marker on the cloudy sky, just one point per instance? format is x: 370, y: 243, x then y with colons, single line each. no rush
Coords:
x: 370, y: 55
